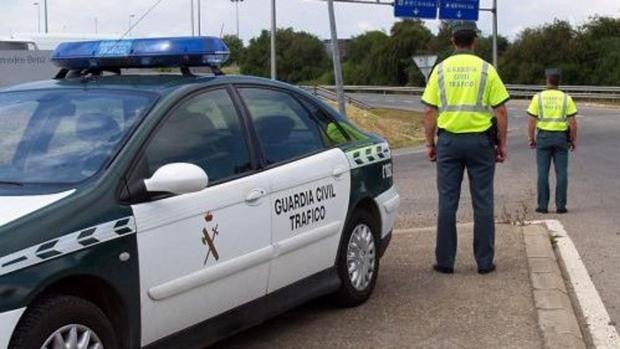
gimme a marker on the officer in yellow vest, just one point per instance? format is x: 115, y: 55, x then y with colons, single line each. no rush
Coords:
x: 465, y: 100
x: 553, y: 115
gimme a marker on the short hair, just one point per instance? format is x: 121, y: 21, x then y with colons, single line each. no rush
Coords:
x: 554, y: 80
x: 464, y: 38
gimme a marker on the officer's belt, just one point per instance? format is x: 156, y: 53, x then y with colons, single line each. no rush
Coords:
x: 441, y: 131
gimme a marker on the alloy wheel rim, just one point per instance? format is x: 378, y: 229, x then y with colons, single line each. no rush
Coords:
x: 361, y: 257
x: 73, y: 336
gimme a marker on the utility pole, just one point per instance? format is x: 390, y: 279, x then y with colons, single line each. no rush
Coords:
x: 273, y: 40
x: 96, y: 25
x: 38, y: 5
x: 192, y: 15
x: 336, y: 59
x: 199, y: 9
x: 46, y: 16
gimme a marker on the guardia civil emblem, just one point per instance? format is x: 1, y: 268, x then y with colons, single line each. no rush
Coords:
x: 209, y: 233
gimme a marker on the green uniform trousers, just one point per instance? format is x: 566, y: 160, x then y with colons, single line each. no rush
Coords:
x: 455, y: 154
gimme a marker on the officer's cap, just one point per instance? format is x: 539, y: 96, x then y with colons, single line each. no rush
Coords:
x: 462, y: 27
x: 553, y: 72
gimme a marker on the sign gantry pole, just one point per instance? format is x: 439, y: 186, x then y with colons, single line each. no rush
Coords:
x: 336, y: 59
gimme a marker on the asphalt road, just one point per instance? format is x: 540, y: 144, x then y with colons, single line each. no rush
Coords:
x: 415, y: 307
x: 594, y: 188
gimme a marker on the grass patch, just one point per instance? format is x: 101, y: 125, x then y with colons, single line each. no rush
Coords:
x: 401, y: 128
x: 231, y: 70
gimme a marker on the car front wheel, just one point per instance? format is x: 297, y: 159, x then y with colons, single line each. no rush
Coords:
x: 358, y: 261
x: 64, y: 322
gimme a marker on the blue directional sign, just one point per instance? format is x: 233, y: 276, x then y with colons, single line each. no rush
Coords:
x: 416, y: 8
x: 467, y: 10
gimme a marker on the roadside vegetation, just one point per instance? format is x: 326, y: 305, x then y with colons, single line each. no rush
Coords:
x: 588, y: 54
x: 402, y: 128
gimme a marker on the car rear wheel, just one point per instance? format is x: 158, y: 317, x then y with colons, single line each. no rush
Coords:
x: 65, y: 322
x: 358, y: 261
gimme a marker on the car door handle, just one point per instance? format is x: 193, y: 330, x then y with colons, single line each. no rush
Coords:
x: 339, y: 171
x: 255, y: 195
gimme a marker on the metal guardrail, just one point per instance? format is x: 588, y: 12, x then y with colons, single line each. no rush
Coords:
x: 577, y: 92
x: 331, y: 95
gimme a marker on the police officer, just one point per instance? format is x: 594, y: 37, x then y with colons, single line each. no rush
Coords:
x: 462, y: 96
x: 553, y: 114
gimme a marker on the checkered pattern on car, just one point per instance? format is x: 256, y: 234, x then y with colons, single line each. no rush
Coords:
x: 67, y: 244
x: 369, y: 155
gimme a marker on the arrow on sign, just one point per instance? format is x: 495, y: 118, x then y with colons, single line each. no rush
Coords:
x: 416, y: 11
x: 459, y: 14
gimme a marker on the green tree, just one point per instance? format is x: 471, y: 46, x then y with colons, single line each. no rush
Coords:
x: 300, y: 56
x: 235, y: 45
x: 598, y: 51
x: 536, y: 49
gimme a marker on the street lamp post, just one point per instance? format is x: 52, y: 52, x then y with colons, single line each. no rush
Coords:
x: 46, y: 16
x: 199, y: 9
x: 273, y: 40
x: 237, y: 13
x: 38, y: 5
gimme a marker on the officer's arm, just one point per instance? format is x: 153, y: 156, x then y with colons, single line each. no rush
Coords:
x: 531, y: 128
x: 430, y: 125
x: 501, y: 113
x: 572, y: 125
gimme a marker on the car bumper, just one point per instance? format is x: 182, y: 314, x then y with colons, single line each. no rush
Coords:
x: 8, y: 322
x: 388, y: 203
x: 383, y: 244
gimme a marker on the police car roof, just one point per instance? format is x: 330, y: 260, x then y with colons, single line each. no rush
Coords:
x: 161, y: 84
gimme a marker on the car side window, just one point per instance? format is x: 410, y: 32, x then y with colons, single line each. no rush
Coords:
x: 333, y: 132
x: 285, y: 129
x: 205, y: 131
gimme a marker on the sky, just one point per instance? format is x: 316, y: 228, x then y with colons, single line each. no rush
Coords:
x: 172, y: 17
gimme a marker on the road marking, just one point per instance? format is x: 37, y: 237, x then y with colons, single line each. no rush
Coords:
x: 597, y: 321
x: 431, y: 228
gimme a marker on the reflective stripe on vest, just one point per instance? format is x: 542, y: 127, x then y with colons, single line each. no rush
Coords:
x: 541, y: 110
x: 479, y: 107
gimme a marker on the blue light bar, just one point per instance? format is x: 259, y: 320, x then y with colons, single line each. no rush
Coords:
x: 142, y: 53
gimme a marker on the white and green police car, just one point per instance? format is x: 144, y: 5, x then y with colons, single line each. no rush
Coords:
x: 171, y: 210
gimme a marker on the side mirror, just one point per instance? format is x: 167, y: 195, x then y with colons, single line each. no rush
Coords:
x: 177, y: 178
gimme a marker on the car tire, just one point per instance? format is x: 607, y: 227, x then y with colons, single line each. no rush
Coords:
x: 356, y: 288
x: 61, y: 317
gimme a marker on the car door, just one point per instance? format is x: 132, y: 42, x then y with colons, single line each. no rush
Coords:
x: 204, y: 253
x: 310, y: 183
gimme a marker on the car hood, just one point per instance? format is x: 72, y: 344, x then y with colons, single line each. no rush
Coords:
x: 15, y: 207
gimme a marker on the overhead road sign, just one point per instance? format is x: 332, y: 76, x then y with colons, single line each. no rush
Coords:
x: 466, y: 10
x: 415, y: 8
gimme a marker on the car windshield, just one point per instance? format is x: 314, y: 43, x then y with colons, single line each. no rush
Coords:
x: 63, y: 136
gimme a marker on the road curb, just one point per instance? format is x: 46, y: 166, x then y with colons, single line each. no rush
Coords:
x: 556, y: 317
x: 599, y: 333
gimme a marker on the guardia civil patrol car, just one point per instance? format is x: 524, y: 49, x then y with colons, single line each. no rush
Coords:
x: 170, y: 210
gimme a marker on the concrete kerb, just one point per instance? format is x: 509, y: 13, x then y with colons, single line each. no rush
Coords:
x: 597, y: 327
x: 556, y: 315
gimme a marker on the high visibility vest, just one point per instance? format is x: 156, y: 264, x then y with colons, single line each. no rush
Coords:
x: 465, y: 89
x: 552, y: 110
x: 462, y: 82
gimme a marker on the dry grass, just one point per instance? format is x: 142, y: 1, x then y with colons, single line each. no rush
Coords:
x: 401, y: 128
